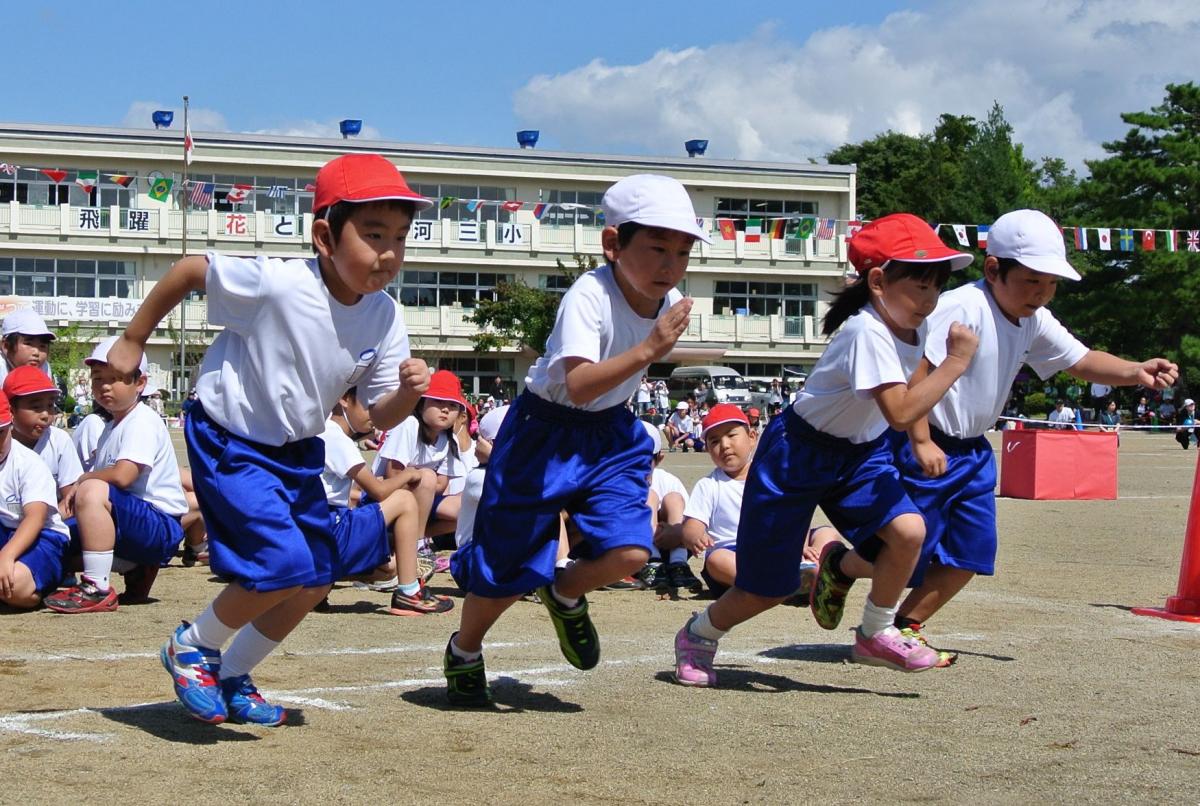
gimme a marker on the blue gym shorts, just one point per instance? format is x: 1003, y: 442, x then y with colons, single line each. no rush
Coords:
x: 145, y: 534
x: 269, y: 524
x: 362, y: 538
x: 44, y: 559
x: 547, y: 458
x: 959, y: 506
x: 795, y: 469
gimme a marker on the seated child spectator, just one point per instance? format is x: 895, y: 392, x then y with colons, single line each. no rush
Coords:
x: 679, y: 429
x: 86, y: 435
x: 1187, y: 419
x: 489, y: 426
x: 33, y: 537
x: 25, y: 341
x: 425, y: 441
x: 668, y: 498
x: 388, y: 523
x: 1063, y: 417
x: 34, y: 397
x: 130, y: 505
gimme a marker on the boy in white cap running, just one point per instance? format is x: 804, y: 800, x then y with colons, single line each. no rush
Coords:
x: 946, y: 463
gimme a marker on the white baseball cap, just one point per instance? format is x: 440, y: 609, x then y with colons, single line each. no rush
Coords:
x: 26, y: 322
x: 655, y: 435
x: 654, y: 201
x: 489, y: 426
x: 682, y: 406
x: 1033, y: 239
x: 100, y: 355
x: 1189, y: 402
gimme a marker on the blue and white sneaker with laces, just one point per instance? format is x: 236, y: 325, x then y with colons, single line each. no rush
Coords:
x: 245, y: 704
x: 193, y: 671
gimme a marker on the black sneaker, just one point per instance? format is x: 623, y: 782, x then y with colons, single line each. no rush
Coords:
x: 679, y: 575
x: 191, y: 557
x: 625, y: 584
x: 576, y: 634
x: 466, y: 680
x: 653, y: 576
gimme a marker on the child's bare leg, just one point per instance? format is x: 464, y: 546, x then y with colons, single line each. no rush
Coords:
x: 721, y: 565
x: 584, y: 576
x: 445, y: 519
x: 424, y: 490
x: 902, y: 539
x: 94, y: 513
x: 942, y: 583
x: 24, y: 594
x: 236, y: 607
x: 281, y: 619
x: 736, y: 606
x: 479, y: 613
x: 400, y: 509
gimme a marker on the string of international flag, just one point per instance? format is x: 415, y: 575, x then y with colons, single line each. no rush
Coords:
x: 200, y: 195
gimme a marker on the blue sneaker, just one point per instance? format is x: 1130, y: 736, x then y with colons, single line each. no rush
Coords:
x: 193, y: 670
x: 247, y: 705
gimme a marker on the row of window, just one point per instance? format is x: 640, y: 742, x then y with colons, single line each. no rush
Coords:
x: 50, y: 277
x: 433, y: 289
x: 764, y: 298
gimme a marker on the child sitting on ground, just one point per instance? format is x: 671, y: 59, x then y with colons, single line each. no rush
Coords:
x: 386, y: 522
x: 679, y: 429
x: 668, y: 498
x: 33, y: 538
x: 26, y: 342
x: 34, y: 398
x: 131, y: 504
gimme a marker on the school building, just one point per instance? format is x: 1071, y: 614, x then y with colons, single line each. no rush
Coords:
x: 91, y: 218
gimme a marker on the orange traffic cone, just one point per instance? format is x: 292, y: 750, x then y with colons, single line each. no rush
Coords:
x: 1185, y: 604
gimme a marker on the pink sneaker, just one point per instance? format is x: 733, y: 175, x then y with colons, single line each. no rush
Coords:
x: 893, y: 650
x: 694, y: 659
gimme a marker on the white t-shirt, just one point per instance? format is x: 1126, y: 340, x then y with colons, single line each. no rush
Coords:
x: 290, y: 350
x: 464, y: 464
x: 977, y: 398
x: 86, y: 436
x: 58, y: 452
x: 665, y: 483
x: 341, y: 456
x: 717, y: 503
x: 404, y: 445
x: 24, y: 478
x: 682, y: 424
x: 863, y: 355
x: 1066, y: 415
x: 464, y: 528
x: 142, y: 438
x: 594, y: 322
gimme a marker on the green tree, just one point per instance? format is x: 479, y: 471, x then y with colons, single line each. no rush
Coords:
x: 70, y: 346
x: 522, y: 315
x: 1142, y: 304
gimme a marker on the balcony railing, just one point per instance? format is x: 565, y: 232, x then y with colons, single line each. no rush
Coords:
x: 239, y: 230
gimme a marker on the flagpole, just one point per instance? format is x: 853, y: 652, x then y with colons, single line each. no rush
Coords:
x: 183, y: 193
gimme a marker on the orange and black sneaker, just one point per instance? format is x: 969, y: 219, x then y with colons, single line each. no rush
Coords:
x: 421, y: 603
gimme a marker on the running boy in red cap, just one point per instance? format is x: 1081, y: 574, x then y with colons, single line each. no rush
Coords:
x: 297, y: 334
x: 570, y: 443
x: 829, y: 449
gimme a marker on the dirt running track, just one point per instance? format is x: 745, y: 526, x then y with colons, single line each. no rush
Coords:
x: 1060, y: 694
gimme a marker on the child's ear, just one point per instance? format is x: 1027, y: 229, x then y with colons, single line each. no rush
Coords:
x: 322, y: 237
x: 875, y: 280
x: 610, y: 243
x: 991, y: 269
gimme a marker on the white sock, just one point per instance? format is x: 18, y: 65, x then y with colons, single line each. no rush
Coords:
x: 248, y: 649
x: 679, y: 554
x: 462, y: 654
x: 702, y: 627
x: 877, y: 619
x: 563, y: 600
x: 409, y: 588
x: 201, y: 547
x: 208, y: 631
x: 97, y: 567
x: 563, y: 562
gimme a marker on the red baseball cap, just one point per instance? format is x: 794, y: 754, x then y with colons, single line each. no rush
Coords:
x: 362, y: 178
x: 5, y: 411
x: 724, y: 413
x: 901, y: 236
x: 444, y: 385
x: 27, y: 380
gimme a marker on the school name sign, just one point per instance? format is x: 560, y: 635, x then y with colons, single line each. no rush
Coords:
x: 74, y: 309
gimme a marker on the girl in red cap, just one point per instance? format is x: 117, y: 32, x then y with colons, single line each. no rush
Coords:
x: 426, y: 442
x: 829, y: 450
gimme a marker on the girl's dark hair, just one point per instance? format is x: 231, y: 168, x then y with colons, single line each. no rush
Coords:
x: 452, y: 440
x: 339, y: 213
x: 852, y: 298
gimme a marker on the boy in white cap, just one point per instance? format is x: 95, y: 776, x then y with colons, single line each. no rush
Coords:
x: 679, y: 427
x: 1187, y: 418
x: 946, y: 462
x: 130, y: 504
x: 25, y: 340
x: 296, y: 335
x: 570, y: 443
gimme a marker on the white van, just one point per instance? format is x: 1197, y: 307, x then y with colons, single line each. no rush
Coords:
x: 729, y: 386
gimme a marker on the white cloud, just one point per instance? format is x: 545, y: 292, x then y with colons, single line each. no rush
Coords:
x: 315, y: 128
x: 1063, y: 70
x: 201, y: 119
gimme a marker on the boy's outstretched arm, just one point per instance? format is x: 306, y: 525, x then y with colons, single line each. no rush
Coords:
x: 1101, y: 367
x: 185, y: 276
x: 588, y: 380
x: 389, y: 410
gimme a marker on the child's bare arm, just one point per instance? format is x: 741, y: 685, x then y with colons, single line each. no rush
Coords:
x: 588, y: 380
x: 695, y: 536
x: 929, y: 456
x: 33, y: 519
x: 389, y: 410
x: 1101, y: 367
x: 378, y: 488
x: 185, y: 276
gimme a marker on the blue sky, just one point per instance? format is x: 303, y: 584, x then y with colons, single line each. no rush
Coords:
x: 788, y: 81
